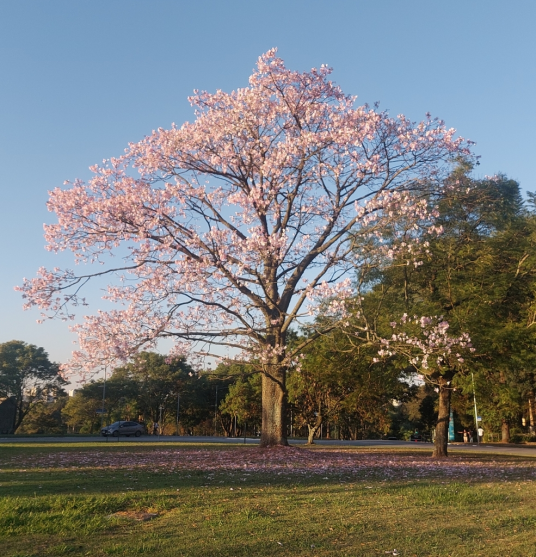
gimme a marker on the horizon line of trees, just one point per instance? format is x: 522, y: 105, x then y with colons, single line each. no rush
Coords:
x: 342, y: 404
x: 331, y: 408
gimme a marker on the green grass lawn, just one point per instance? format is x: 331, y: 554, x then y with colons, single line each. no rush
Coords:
x: 126, y: 499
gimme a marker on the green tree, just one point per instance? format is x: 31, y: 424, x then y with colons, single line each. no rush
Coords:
x: 422, y: 409
x: 45, y: 418
x: 165, y: 385
x: 478, y: 275
x: 243, y: 403
x: 150, y: 387
x: 338, y: 384
x: 28, y: 376
x: 82, y: 411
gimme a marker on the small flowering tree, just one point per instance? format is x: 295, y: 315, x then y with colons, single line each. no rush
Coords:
x: 438, y: 356
x: 236, y: 226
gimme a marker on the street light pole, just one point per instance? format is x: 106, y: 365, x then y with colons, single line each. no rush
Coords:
x: 216, y: 412
x: 161, y: 407
x: 103, y: 398
x: 291, y: 429
x: 178, y: 411
x: 476, y: 412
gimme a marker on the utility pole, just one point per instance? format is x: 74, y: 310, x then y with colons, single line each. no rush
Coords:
x: 216, y: 412
x: 178, y: 411
x: 474, y: 400
x: 291, y: 429
x: 103, y: 398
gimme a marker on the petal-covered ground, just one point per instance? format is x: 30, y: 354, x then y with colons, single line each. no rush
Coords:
x: 292, y: 462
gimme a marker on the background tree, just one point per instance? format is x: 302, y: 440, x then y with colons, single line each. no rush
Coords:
x: 45, y: 418
x: 338, y: 385
x: 507, y: 360
x: 137, y: 390
x: 478, y: 275
x: 416, y: 413
x: 27, y: 375
x: 243, y: 403
x: 485, y: 285
x: 159, y: 381
x: 235, y: 223
x: 80, y: 412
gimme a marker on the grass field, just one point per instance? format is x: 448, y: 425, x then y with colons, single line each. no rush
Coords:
x: 199, y: 500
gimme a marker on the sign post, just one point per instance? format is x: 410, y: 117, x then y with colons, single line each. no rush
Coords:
x: 452, y: 436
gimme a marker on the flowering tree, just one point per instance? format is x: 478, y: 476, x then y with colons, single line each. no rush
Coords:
x: 233, y: 227
x: 437, y: 355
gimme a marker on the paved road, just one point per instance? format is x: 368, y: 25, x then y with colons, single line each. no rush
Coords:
x: 518, y: 450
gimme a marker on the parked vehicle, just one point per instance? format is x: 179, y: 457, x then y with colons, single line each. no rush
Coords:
x: 420, y: 438
x: 123, y: 428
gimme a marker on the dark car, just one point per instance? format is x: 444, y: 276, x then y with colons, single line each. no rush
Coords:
x: 123, y: 428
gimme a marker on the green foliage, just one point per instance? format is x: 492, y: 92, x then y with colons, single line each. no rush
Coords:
x: 243, y: 400
x: 27, y: 375
x: 338, y: 384
x: 149, y: 387
x: 421, y: 410
x: 479, y: 274
x: 80, y: 412
x: 45, y: 419
x: 161, y: 381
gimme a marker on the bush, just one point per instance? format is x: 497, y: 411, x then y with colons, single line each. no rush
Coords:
x: 517, y: 438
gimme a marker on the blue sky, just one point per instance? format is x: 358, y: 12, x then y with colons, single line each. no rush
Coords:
x: 79, y: 80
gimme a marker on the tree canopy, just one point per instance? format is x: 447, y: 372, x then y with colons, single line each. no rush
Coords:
x: 28, y: 376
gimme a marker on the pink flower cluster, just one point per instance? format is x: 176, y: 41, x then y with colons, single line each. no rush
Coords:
x: 428, y: 345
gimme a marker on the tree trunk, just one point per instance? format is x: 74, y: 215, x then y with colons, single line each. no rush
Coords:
x: 274, y: 402
x: 505, y: 432
x: 314, y: 429
x: 226, y: 425
x: 22, y: 410
x: 443, y: 415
